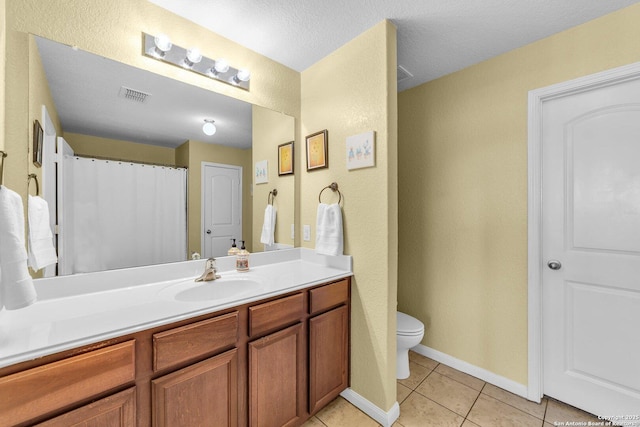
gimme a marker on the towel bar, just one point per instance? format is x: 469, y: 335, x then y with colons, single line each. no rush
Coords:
x: 35, y: 178
x: 334, y: 187
x: 272, y: 194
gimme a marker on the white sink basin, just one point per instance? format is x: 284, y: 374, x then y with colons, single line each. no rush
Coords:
x: 225, y: 288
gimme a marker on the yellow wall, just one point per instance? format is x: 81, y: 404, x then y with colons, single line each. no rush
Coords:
x: 271, y: 129
x: 88, y: 145
x: 463, y: 190
x: 351, y: 91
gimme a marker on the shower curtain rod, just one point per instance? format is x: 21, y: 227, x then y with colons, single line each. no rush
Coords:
x: 113, y: 159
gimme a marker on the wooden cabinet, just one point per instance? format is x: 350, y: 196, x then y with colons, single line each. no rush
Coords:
x: 276, y: 378
x: 118, y: 410
x: 269, y: 363
x: 328, y: 357
x: 203, y: 394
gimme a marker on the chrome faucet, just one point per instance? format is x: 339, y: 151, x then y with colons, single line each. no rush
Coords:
x: 210, y: 272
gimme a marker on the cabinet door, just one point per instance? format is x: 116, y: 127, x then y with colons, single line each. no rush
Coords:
x: 328, y: 356
x: 277, y: 378
x: 118, y: 410
x: 203, y: 394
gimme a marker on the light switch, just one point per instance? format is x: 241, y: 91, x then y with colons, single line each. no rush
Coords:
x: 306, y: 232
x: 293, y: 231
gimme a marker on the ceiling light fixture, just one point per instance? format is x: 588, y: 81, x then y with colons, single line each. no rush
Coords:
x: 160, y: 47
x: 209, y: 128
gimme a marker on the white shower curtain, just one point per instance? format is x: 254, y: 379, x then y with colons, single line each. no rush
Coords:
x: 121, y: 214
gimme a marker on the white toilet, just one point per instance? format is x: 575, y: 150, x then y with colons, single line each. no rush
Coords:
x: 409, y: 333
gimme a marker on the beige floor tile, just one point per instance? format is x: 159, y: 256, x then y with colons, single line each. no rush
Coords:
x: 313, y: 422
x: 449, y: 393
x: 341, y: 413
x: 489, y: 412
x: 418, y: 411
x: 532, y: 408
x: 422, y: 360
x: 402, y: 392
x: 561, y: 412
x: 468, y: 423
x: 417, y: 374
x: 461, y: 377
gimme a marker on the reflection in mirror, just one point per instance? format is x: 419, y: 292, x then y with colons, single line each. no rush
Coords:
x: 104, y: 111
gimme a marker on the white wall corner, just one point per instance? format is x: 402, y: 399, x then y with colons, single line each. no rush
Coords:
x: 485, y: 375
x: 386, y: 418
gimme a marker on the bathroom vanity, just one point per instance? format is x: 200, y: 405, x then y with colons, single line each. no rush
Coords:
x: 270, y: 357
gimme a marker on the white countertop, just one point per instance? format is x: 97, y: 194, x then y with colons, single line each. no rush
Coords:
x: 77, y: 310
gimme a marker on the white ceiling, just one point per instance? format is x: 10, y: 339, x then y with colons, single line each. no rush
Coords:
x: 435, y: 37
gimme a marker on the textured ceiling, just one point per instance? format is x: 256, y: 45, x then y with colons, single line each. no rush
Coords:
x: 435, y: 37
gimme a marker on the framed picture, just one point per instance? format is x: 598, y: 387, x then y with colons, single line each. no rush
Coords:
x: 285, y: 159
x: 361, y: 150
x: 318, y: 150
x: 38, y: 137
x: 262, y: 172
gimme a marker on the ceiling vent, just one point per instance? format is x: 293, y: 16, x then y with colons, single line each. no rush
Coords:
x: 133, y: 95
x: 403, y: 74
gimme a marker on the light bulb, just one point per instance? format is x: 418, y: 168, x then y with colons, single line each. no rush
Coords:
x: 193, y: 57
x: 242, y: 76
x: 221, y: 65
x: 208, y: 128
x: 163, y: 44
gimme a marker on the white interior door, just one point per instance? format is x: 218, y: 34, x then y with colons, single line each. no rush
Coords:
x: 591, y: 248
x: 63, y: 149
x: 221, y: 207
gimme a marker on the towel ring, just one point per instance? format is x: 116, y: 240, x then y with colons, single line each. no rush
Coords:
x: 272, y: 195
x: 35, y: 178
x: 2, y: 156
x: 334, y: 187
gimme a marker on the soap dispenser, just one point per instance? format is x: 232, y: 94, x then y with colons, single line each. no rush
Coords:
x: 242, y: 259
x: 234, y: 249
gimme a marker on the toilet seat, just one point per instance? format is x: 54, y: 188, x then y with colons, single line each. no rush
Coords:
x: 408, y: 326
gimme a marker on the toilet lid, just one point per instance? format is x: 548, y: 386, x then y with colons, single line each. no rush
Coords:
x: 408, y: 325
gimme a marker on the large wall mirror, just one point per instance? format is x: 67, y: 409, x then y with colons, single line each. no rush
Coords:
x: 101, y: 113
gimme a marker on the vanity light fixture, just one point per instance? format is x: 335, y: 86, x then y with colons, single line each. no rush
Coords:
x: 160, y: 47
x: 209, y: 128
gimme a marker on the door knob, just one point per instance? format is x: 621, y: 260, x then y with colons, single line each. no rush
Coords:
x: 554, y: 265
x: 208, y: 231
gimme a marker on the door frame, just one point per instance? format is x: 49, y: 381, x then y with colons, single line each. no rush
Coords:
x: 535, y: 387
x: 203, y: 165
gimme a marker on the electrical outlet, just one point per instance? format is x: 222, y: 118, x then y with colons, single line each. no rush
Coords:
x: 306, y: 233
x: 293, y: 231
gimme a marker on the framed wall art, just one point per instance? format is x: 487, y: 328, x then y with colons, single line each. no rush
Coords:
x: 285, y: 159
x: 361, y: 150
x: 317, y: 150
x: 261, y: 173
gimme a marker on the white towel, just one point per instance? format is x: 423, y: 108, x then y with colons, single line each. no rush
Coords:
x: 41, y: 250
x: 16, y: 286
x: 329, y: 235
x: 268, y: 226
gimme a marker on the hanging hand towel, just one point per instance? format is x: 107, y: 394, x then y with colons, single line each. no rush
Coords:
x: 16, y: 286
x: 268, y: 226
x: 329, y: 235
x: 41, y: 250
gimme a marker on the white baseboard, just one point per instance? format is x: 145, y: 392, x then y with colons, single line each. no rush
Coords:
x: 468, y: 368
x: 386, y: 418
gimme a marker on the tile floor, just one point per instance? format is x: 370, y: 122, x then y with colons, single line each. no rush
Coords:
x: 437, y: 395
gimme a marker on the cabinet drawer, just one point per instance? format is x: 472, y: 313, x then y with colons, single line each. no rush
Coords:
x: 179, y: 345
x: 38, y: 391
x: 326, y: 297
x: 275, y: 314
